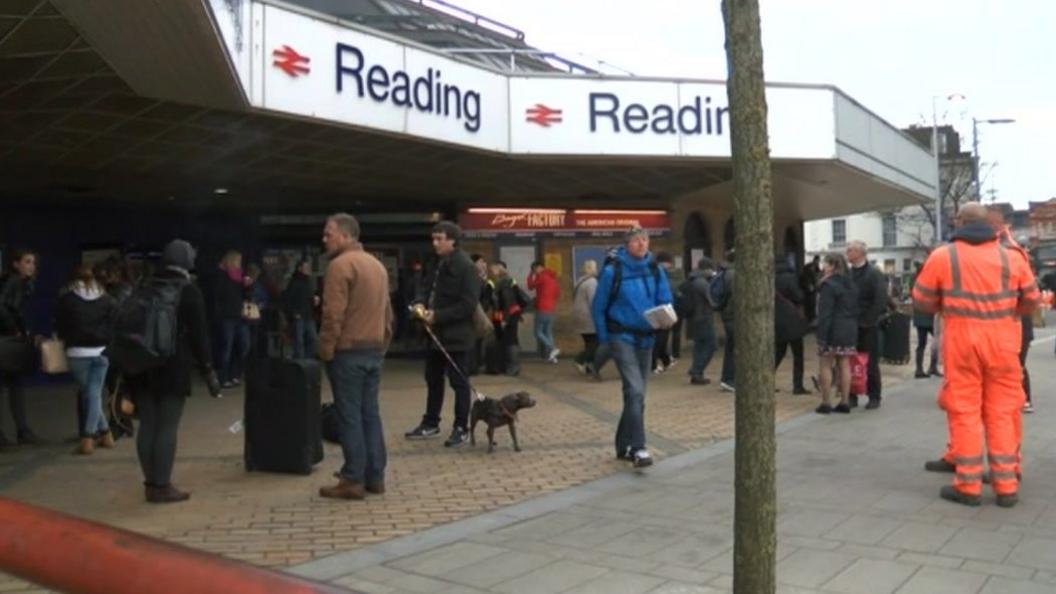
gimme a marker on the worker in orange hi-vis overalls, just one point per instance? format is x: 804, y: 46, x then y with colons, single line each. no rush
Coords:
x: 981, y: 288
x: 996, y: 220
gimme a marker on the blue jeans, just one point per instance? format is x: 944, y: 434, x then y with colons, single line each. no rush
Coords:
x: 355, y: 377
x: 728, y: 369
x: 235, y: 348
x: 90, y: 373
x: 544, y: 332
x: 305, y: 339
x: 633, y: 364
x: 703, y: 350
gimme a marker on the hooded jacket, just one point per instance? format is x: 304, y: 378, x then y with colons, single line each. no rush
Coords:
x: 83, y: 320
x: 640, y: 289
x: 695, y: 289
x: 837, y: 312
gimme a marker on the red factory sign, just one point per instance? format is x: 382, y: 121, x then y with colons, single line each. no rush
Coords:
x: 493, y: 221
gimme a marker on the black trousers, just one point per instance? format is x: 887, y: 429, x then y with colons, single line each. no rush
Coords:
x: 869, y: 342
x: 590, y: 349
x: 159, y: 422
x: 1023, y: 350
x: 676, y: 339
x: 436, y: 367
x: 922, y: 344
x: 797, y: 360
x: 661, y: 353
x: 16, y: 398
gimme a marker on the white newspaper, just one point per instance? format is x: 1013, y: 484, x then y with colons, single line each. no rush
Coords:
x: 661, y: 317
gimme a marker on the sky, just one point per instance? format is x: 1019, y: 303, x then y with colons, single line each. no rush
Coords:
x: 997, y: 59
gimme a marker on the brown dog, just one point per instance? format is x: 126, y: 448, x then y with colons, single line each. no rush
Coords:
x: 497, y: 413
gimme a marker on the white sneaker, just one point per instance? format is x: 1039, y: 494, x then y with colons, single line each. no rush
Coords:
x: 1028, y: 408
x: 581, y: 367
x: 641, y: 458
x: 553, y: 355
x: 725, y: 387
x: 673, y: 362
x: 658, y: 370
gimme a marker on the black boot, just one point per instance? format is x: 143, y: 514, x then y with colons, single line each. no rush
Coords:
x: 950, y: 493
x: 920, y: 374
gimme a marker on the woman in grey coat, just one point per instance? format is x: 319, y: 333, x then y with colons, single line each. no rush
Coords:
x: 582, y: 320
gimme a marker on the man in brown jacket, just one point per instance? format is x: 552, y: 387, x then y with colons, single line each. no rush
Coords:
x: 356, y: 331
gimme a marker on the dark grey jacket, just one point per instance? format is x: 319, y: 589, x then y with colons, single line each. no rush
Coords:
x: 837, y: 312
x: 696, y: 289
x: 453, y: 292
x: 872, y: 294
x: 14, y: 291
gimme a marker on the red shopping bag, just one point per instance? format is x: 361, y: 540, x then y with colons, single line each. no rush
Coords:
x: 859, y: 373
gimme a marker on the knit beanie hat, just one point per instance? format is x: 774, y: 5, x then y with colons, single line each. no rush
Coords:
x: 179, y: 253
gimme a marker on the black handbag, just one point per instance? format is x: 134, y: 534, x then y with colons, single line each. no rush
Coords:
x: 17, y: 355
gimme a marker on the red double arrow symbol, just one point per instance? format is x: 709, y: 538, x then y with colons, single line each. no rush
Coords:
x: 290, y: 61
x: 542, y: 115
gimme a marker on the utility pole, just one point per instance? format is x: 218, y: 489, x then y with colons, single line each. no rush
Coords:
x: 755, y: 507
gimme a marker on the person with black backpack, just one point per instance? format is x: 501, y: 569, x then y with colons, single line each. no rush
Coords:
x: 170, y: 312
x: 629, y: 285
x: 720, y: 292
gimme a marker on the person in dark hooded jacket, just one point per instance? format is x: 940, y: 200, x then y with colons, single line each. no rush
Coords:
x: 789, y: 322
x: 701, y: 321
x: 299, y: 301
x: 837, y: 331
x: 161, y: 393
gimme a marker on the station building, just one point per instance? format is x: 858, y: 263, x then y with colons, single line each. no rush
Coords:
x: 241, y: 124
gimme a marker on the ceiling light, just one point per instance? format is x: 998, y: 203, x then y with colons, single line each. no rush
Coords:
x: 220, y: 191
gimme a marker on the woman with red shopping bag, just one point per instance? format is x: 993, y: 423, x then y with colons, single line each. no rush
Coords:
x: 837, y: 332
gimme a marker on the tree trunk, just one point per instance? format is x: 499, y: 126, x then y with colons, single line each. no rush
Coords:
x: 755, y: 541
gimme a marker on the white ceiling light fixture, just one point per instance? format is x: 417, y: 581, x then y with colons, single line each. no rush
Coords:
x: 220, y: 191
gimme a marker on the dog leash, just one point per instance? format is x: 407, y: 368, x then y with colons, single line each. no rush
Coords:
x: 451, y: 360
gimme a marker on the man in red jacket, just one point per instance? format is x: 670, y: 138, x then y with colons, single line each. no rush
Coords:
x: 543, y: 281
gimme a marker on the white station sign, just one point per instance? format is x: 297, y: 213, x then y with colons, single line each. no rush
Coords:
x: 318, y: 68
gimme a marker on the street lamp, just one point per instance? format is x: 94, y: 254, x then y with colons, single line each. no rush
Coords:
x: 938, y: 161
x: 975, y: 149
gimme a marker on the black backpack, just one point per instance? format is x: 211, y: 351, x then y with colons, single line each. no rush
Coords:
x: 146, y: 327
x: 718, y: 292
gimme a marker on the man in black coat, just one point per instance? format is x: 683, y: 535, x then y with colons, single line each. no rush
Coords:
x: 789, y: 324
x: 447, y: 307
x: 872, y: 300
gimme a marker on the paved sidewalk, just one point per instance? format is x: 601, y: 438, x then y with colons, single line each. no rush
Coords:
x: 857, y: 514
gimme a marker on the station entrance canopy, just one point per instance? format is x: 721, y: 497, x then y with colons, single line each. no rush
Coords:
x: 545, y: 136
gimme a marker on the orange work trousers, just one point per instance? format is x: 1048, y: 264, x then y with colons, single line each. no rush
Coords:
x: 983, y: 390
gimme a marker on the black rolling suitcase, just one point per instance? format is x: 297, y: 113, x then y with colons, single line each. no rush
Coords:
x: 894, y: 333
x: 281, y: 415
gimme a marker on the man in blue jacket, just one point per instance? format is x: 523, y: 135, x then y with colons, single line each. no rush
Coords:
x: 629, y: 285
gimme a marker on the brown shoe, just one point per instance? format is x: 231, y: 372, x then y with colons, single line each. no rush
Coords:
x: 86, y: 447
x: 106, y: 440
x: 344, y: 489
x: 166, y: 494
x: 375, y: 488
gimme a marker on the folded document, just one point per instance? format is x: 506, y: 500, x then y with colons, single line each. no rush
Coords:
x: 661, y: 317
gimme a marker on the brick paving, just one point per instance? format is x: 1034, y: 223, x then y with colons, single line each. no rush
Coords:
x: 279, y: 520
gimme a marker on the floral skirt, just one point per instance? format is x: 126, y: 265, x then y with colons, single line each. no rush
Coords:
x: 836, y: 351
